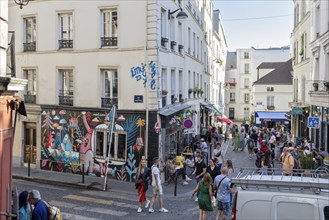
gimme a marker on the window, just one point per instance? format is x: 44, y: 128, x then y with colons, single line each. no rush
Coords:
x: 231, y: 113
x: 246, y: 68
x: 246, y: 98
x: 197, y: 48
x: 270, y: 89
x: 66, y: 87
x: 194, y: 44
x: 173, y: 82
x: 31, y: 87
x: 232, y: 97
x: 246, y: 55
x: 30, y: 34
x: 66, y: 31
x: 118, y: 147
x: 164, y: 20
x: 246, y: 83
x: 189, y: 40
x: 109, y: 80
x: 109, y: 27
x: 270, y: 101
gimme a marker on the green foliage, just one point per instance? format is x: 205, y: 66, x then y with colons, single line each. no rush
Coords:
x: 306, y: 162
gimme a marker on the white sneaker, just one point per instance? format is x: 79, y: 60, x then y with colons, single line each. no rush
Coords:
x: 163, y: 210
x: 139, y: 210
x: 188, y: 179
x: 151, y: 210
x: 147, y: 203
x: 196, y: 199
x: 185, y: 183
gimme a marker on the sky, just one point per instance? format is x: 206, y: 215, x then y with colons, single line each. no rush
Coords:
x: 247, y: 23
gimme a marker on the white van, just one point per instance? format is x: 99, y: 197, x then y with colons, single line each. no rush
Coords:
x: 280, y: 197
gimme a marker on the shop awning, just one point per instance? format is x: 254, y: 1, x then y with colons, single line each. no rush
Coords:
x: 272, y: 116
x: 211, y: 107
x: 172, y: 109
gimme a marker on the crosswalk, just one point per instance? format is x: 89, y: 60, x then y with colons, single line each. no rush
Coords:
x: 88, y: 204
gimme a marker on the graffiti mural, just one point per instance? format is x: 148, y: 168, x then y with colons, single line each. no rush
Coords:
x: 140, y: 73
x: 76, y: 142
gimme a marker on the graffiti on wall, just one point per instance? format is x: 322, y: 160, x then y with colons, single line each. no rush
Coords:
x: 71, y: 142
x: 140, y: 73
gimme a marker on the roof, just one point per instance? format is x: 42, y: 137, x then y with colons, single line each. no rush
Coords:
x: 280, y: 75
x: 269, y: 65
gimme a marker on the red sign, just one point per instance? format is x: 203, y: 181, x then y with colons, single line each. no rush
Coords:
x: 188, y: 123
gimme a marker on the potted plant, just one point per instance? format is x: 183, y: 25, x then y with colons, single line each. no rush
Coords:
x: 164, y: 92
x: 198, y: 91
x: 190, y: 91
x: 306, y: 162
x: 315, y: 86
x: 326, y: 84
x: 201, y: 91
x: 195, y: 90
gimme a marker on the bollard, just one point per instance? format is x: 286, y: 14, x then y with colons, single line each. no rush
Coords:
x: 175, y: 191
x: 28, y: 167
x: 83, y: 173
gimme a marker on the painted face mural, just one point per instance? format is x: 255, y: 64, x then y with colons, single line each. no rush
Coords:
x: 76, y: 142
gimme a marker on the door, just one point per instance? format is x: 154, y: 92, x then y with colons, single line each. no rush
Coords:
x: 30, y: 142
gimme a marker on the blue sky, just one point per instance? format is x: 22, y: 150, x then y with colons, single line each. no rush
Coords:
x: 261, y: 32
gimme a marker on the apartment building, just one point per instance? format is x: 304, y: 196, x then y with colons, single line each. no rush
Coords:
x: 241, y: 73
x: 78, y: 69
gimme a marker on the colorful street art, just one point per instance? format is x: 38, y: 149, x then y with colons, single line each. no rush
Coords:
x: 140, y: 73
x: 68, y: 143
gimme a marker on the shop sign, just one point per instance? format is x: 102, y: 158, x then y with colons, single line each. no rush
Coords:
x: 297, y: 111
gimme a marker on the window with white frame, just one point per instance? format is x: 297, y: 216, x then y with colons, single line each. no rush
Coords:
x: 246, y: 98
x: 118, y: 148
x: 109, y: 82
x: 270, y: 101
x: 31, y: 87
x: 246, y: 83
x: 65, y: 30
x: 194, y: 48
x: 30, y: 29
x: 66, y: 87
x: 189, y: 40
x: 173, y: 81
x: 246, y: 68
x: 164, y: 34
x: 246, y: 55
x: 109, y: 27
x: 232, y: 96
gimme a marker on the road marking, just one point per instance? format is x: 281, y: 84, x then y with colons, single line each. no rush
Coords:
x: 100, y: 201
x: 111, y: 196
x: 75, y: 217
x: 62, y: 204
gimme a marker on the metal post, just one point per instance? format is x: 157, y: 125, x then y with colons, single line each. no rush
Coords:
x: 28, y: 167
x: 83, y: 173
x: 176, y: 177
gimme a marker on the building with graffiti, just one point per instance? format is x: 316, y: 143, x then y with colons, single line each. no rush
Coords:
x: 154, y: 67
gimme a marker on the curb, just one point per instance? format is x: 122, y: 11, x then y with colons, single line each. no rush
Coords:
x: 57, y: 183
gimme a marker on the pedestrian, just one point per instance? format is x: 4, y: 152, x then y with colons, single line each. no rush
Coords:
x: 229, y: 165
x: 24, y: 206
x: 204, y: 148
x: 250, y: 146
x: 40, y: 210
x: 242, y: 135
x: 206, y: 191
x: 288, y: 161
x: 180, y: 162
x: 157, y: 187
x: 236, y: 141
x: 266, y: 162
x: 224, y: 190
x: 212, y: 169
x: 200, y: 169
x: 217, y: 153
x: 142, y: 182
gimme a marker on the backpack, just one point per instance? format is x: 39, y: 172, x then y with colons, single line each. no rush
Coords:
x: 53, y: 212
x: 296, y: 164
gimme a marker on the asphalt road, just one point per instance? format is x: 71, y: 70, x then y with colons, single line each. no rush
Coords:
x: 122, y: 203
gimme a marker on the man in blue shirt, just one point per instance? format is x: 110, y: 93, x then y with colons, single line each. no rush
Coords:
x: 224, y: 190
x: 40, y: 211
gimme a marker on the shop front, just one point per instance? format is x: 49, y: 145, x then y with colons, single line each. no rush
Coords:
x: 271, y: 119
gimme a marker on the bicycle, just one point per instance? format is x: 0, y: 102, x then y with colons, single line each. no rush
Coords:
x: 323, y: 169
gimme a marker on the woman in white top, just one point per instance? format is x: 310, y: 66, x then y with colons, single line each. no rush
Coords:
x: 218, y: 154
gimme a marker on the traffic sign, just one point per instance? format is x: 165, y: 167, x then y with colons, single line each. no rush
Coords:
x: 188, y: 123
x: 313, y: 122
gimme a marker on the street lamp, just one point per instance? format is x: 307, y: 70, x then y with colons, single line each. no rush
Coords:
x: 180, y: 16
x: 22, y: 3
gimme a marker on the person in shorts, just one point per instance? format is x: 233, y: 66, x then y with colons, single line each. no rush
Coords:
x: 224, y: 190
x: 157, y: 187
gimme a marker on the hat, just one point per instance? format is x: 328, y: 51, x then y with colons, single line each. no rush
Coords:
x: 263, y: 141
x: 202, y: 139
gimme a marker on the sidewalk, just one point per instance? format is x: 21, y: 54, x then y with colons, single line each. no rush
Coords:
x: 95, y: 183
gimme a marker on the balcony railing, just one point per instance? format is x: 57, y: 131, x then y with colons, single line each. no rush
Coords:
x: 109, y: 41
x: 62, y: 44
x: 31, y: 46
x: 108, y: 102
x: 30, y: 99
x: 65, y: 97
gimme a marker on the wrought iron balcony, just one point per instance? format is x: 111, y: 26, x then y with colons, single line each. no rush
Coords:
x: 65, y: 44
x: 31, y: 46
x: 65, y: 97
x: 109, y: 102
x: 109, y: 41
x: 30, y: 99
x: 164, y: 41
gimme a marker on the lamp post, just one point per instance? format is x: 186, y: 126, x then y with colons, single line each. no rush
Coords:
x: 180, y: 16
x: 22, y: 3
